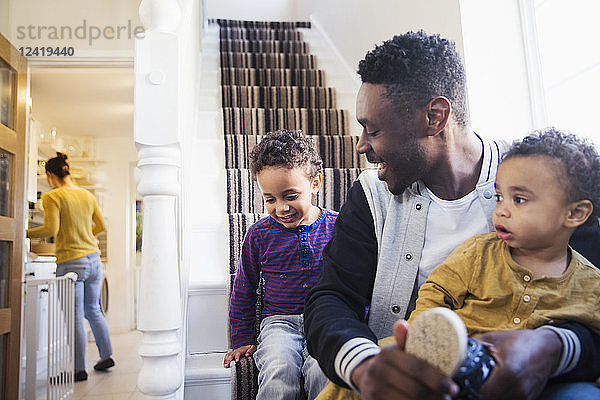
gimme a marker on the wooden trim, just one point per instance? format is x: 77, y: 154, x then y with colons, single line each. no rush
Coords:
x: 5, y: 320
x: 10, y: 55
x: 8, y: 143
x: 7, y: 229
x: 12, y: 362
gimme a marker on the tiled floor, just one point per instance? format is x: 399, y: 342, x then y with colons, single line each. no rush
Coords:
x: 119, y: 383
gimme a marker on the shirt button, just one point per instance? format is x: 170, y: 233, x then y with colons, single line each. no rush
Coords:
x: 526, y: 278
x: 418, y: 206
x: 408, y: 256
x: 517, y: 320
x: 526, y: 298
x: 487, y: 194
x: 395, y: 309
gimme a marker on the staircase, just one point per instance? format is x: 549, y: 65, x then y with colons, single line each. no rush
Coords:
x: 258, y: 77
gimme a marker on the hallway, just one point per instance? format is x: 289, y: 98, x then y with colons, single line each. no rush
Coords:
x: 121, y: 382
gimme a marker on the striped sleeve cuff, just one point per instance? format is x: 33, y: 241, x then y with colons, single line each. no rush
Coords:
x: 571, y: 350
x: 352, y: 353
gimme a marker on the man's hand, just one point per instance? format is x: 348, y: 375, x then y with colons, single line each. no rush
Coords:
x: 235, y: 354
x: 394, y: 374
x: 524, y: 361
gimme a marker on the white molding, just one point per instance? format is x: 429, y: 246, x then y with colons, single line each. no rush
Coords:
x: 78, y: 62
x: 537, y: 98
x: 338, y: 55
x: 202, y: 289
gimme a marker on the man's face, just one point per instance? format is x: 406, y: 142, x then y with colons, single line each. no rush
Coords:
x: 389, y: 138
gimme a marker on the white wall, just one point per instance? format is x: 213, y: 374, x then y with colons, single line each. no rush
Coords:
x: 356, y: 26
x: 487, y: 33
x: 4, y: 10
x: 106, y: 14
x: 497, y: 78
x: 256, y: 10
x: 118, y: 153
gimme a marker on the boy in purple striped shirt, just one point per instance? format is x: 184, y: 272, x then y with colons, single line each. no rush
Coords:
x: 285, y: 249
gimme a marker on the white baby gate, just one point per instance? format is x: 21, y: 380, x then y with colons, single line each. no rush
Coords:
x: 55, y: 340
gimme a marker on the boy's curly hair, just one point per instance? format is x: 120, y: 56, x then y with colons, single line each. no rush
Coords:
x: 415, y: 68
x: 579, y: 158
x: 289, y: 149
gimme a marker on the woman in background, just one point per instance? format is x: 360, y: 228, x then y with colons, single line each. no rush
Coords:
x: 72, y: 216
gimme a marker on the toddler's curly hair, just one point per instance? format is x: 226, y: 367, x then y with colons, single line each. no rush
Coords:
x: 288, y: 149
x: 579, y: 158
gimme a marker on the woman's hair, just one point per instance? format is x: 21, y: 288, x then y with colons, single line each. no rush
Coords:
x: 288, y: 149
x: 580, y: 175
x: 58, y: 165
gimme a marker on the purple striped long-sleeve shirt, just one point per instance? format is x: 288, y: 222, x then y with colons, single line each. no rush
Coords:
x: 290, y: 260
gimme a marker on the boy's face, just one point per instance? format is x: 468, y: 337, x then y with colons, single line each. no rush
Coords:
x: 532, y: 207
x: 287, y: 193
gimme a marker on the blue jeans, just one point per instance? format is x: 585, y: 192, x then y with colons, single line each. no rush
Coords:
x: 282, y: 358
x: 87, y: 296
x: 570, y: 391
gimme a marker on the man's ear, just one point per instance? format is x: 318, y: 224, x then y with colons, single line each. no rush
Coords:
x: 315, y: 184
x: 437, y: 115
x: 579, y: 212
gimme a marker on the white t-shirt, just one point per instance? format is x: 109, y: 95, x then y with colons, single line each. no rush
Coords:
x: 449, y: 223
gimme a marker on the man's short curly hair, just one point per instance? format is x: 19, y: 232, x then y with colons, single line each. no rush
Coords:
x: 415, y: 68
x: 579, y: 158
x: 288, y: 149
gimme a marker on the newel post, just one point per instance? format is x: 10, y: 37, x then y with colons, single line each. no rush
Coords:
x: 157, y: 138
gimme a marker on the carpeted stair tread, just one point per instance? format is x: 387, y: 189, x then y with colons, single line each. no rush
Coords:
x: 277, y: 97
x: 262, y: 24
x: 272, y: 77
x: 266, y: 60
x: 312, y: 121
x: 263, y: 46
x: 260, y: 34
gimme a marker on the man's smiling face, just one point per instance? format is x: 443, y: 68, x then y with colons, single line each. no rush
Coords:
x: 389, y: 138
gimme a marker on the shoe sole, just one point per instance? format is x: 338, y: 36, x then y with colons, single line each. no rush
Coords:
x: 439, y: 337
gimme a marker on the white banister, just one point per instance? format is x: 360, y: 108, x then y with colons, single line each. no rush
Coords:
x: 158, y: 139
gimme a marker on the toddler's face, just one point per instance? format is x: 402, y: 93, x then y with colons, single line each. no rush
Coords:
x: 531, y: 206
x: 287, y: 193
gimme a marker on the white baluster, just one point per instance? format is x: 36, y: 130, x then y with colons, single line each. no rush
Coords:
x: 162, y: 15
x: 157, y: 136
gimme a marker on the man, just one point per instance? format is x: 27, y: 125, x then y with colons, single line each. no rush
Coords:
x: 433, y: 189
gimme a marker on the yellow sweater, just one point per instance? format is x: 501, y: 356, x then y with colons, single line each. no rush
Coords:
x: 68, y: 216
x: 491, y: 292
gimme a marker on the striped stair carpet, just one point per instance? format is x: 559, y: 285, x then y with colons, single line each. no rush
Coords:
x: 336, y: 151
x: 270, y: 81
x: 272, y: 77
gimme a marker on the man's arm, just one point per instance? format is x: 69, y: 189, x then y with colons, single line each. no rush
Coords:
x: 335, y: 307
x: 587, y: 367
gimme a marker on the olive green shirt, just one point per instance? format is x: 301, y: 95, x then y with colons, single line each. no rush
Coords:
x: 490, y: 292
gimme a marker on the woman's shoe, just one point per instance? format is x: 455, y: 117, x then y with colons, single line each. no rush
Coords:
x: 80, y: 376
x: 104, y: 364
